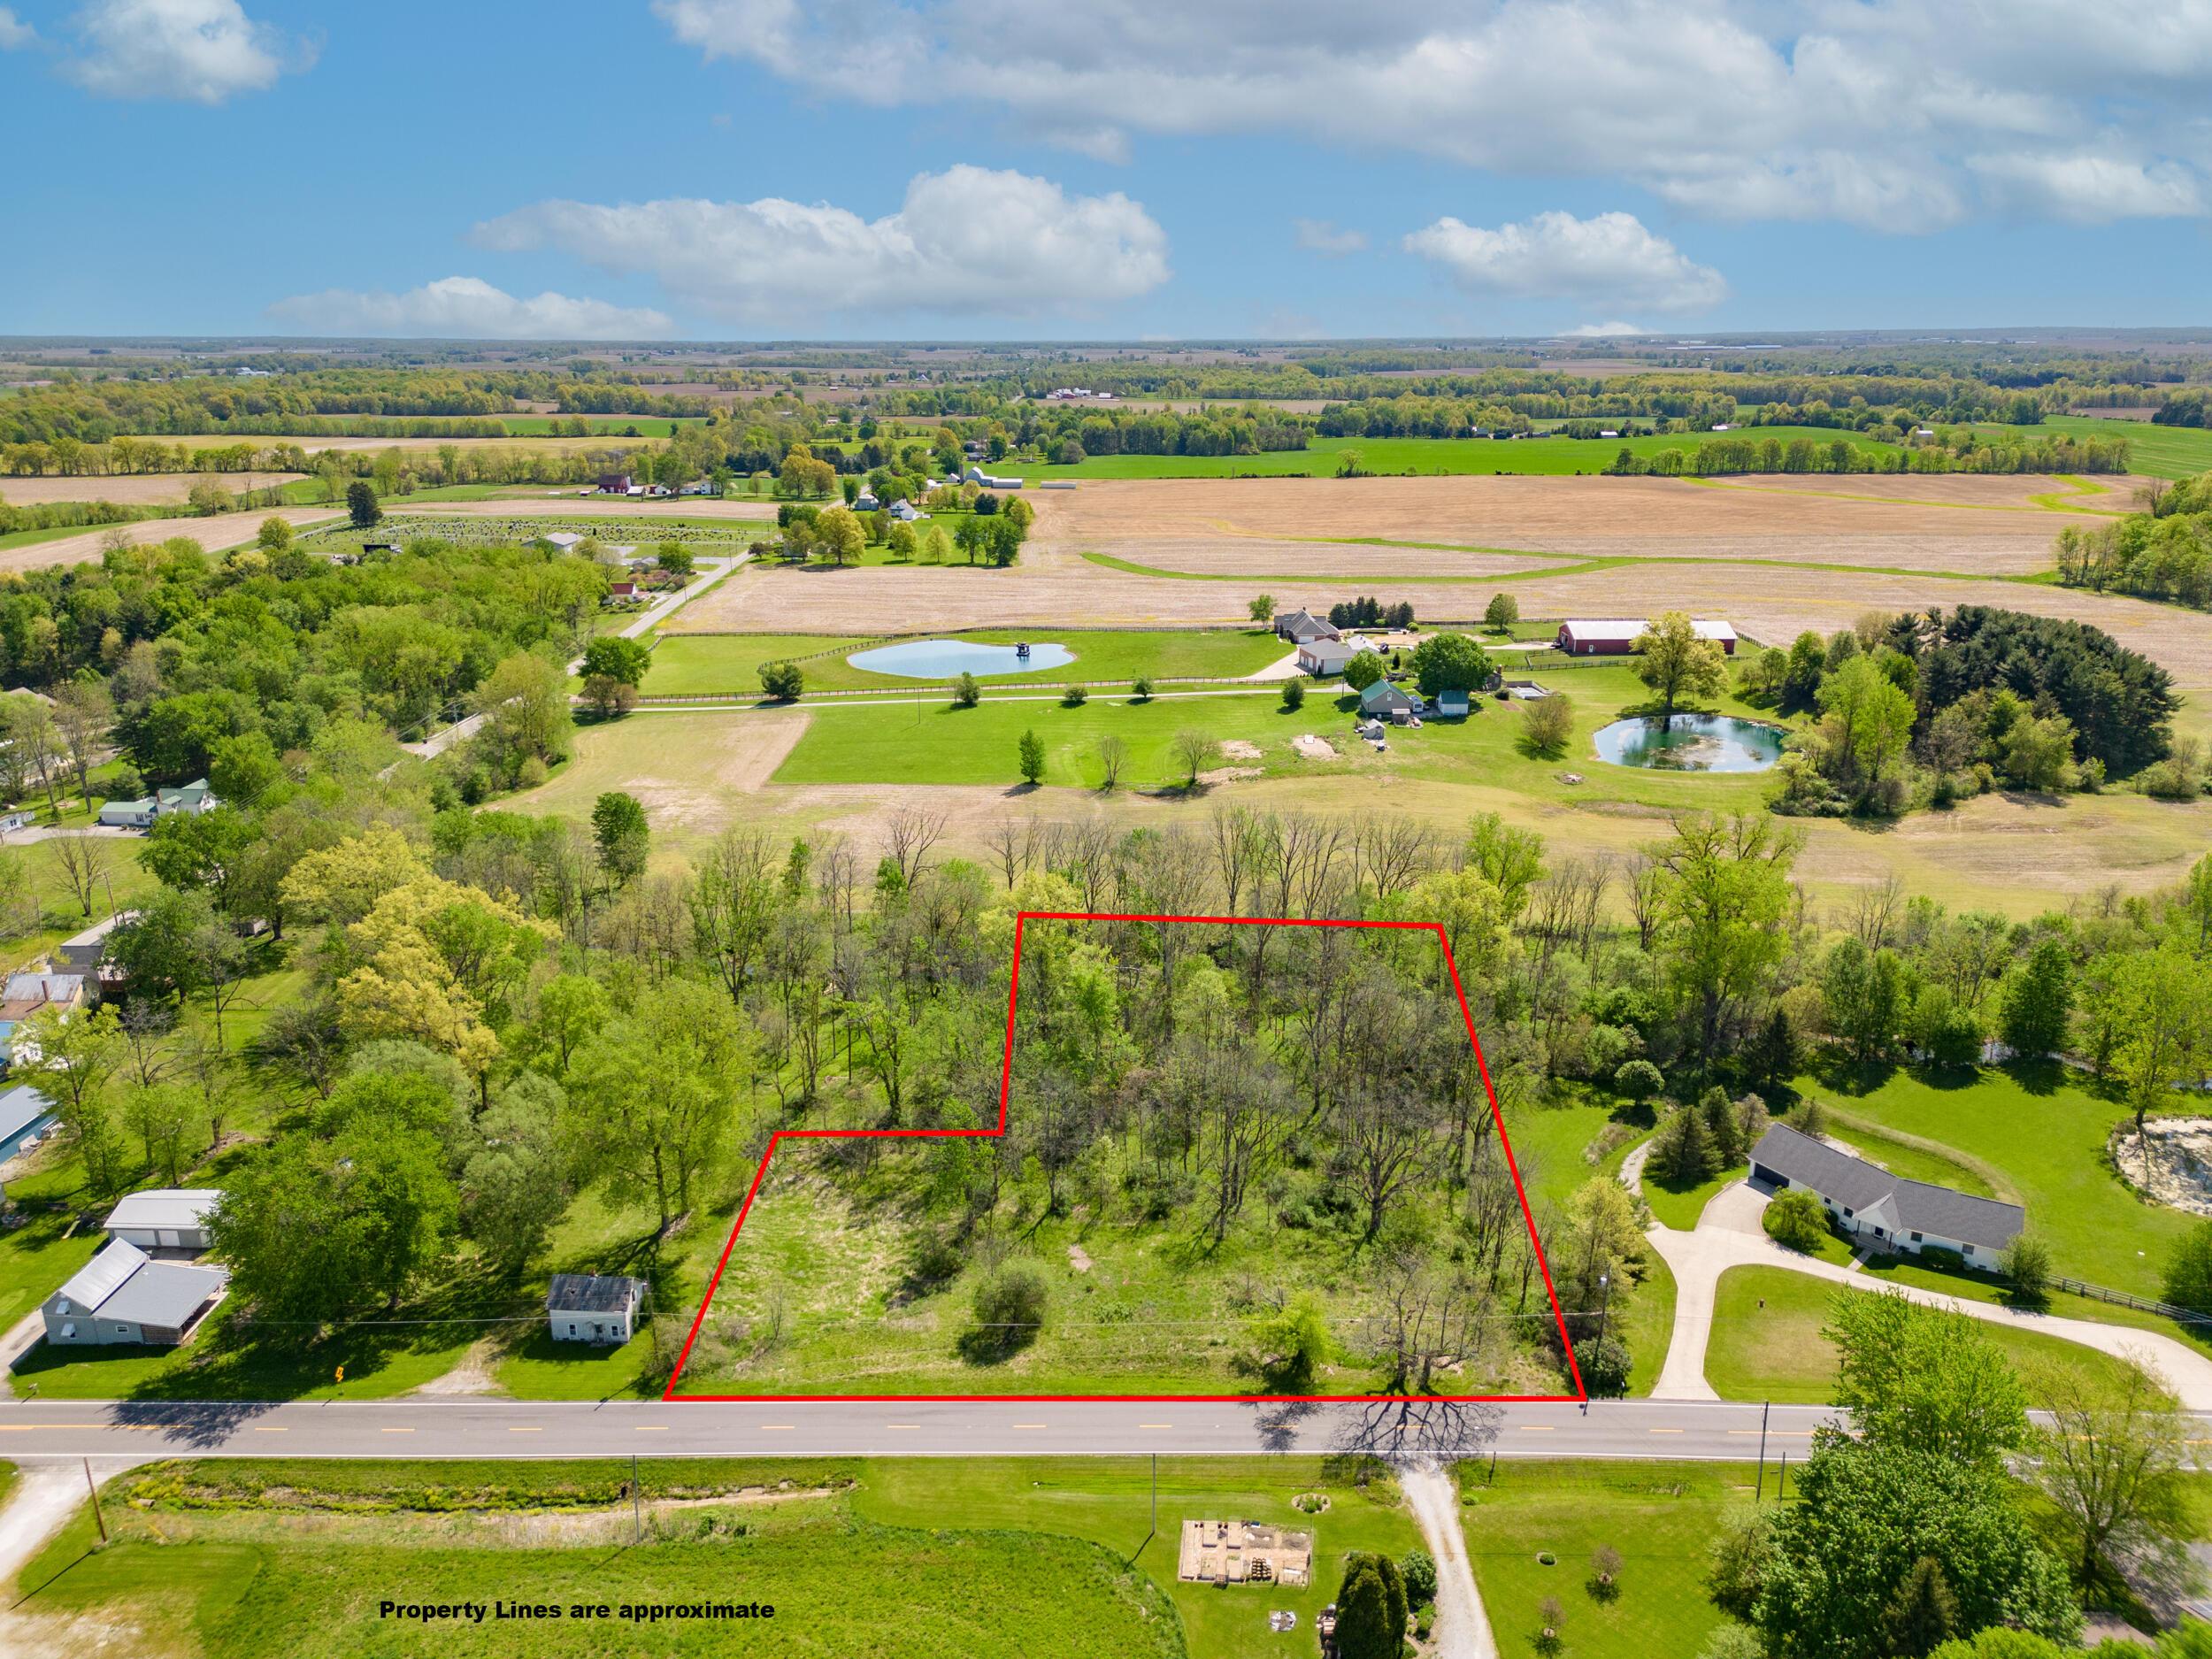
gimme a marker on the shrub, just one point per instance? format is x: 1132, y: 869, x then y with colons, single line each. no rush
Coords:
x: 1075, y: 697
x: 1604, y: 1366
x: 1795, y: 1220
x: 2027, y: 1265
x: 1605, y: 1572
x: 1010, y: 1308
x: 967, y: 691
x: 1418, y: 1567
x: 1293, y: 694
x: 1639, y: 1080
x: 782, y: 680
x: 1141, y: 687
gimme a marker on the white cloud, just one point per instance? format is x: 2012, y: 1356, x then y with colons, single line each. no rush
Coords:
x: 1887, y: 113
x: 965, y: 241
x: 2090, y: 189
x: 468, y: 308
x: 1321, y: 236
x: 1608, y: 257
x: 1605, y: 331
x: 201, y: 50
x: 14, y: 32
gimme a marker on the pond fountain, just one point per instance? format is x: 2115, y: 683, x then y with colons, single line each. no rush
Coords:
x: 942, y: 659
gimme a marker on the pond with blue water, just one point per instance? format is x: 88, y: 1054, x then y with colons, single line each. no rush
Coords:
x: 942, y: 659
x: 1690, y: 743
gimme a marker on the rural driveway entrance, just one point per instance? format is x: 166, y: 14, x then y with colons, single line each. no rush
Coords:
x: 1462, y: 1629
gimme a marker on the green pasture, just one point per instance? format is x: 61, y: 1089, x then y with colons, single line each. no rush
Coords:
x: 704, y: 665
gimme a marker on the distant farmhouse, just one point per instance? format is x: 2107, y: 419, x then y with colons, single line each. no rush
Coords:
x: 1298, y: 627
x: 1889, y: 1212
x: 1617, y: 636
x: 140, y: 814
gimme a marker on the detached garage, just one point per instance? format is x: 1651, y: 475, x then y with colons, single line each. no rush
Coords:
x: 165, y: 1218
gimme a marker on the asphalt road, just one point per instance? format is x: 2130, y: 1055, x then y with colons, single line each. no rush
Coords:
x: 31, y: 1431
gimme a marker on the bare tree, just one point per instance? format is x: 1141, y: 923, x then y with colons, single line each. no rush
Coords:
x: 83, y: 858
x: 1643, y: 884
x: 1875, y: 912
x: 1394, y: 852
x: 1112, y: 755
x: 910, y: 833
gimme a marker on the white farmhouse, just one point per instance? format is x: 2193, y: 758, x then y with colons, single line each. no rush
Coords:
x: 594, y: 1308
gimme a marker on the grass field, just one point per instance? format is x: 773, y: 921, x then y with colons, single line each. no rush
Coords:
x: 617, y: 426
x: 2045, y: 1134
x: 1662, y: 1518
x: 823, y: 1292
x: 696, y: 664
x: 1767, y: 1342
x: 933, y: 742
x: 1322, y: 456
x: 2155, y: 451
x: 1001, y: 1558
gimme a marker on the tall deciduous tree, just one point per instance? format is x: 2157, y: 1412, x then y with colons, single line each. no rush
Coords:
x: 1677, y: 664
x: 1722, y: 895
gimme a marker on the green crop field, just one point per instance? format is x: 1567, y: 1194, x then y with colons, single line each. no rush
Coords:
x: 698, y: 665
x: 1661, y: 1517
x: 1322, y: 456
x: 1767, y: 1342
x: 614, y: 425
x: 1001, y: 1558
x: 2156, y: 452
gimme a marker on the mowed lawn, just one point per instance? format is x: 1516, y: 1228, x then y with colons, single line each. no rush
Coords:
x: 1661, y: 1517
x: 1323, y: 457
x: 2154, y: 451
x: 930, y: 741
x: 700, y: 664
x: 2045, y: 1134
x: 1003, y: 1558
x: 1767, y: 1342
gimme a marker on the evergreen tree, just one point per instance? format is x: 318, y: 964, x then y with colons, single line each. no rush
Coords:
x: 2039, y: 1001
x: 1031, y: 756
x: 1774, y: 1055
x: 1722, y: 1128
x: 1687, y: 1157
x: 1923, y: 1614
x: 1371, y: 1609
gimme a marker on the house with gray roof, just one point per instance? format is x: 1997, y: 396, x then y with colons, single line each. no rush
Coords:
x: 26, y: 1115
x: 1383, y: 701
x: 1885, y: 1210
x: 123, y: 1296
x: 601, y: 1307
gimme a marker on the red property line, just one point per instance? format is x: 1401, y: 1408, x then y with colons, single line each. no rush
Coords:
x: 1005, y: 1084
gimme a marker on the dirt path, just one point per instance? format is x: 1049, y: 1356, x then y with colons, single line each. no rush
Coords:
x: 46, y: 1495
x: 1462, y: 1629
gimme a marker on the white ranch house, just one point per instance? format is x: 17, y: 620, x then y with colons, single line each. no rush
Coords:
x: 597, y: 1308
x: 1885, y: 1210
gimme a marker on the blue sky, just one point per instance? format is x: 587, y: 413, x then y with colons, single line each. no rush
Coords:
x: 989, y: 168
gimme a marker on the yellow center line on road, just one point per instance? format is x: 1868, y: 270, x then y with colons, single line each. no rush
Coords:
x: 1778, y: 1434
x: 270, y: 1428
x: 1665, y: 1431
x: 902, y: 1426
x: 1537, y: 1428
x: 512, y: 1429
x: 778, y: 1428
x: 33, y: 1428
x: 649, y: 1428
x: 396, y: 1431
x: 1156, y: 1426
x: 1025, y: 1426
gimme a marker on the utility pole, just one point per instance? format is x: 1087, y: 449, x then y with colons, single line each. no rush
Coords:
x: 637, y: 1506
x: 99, y: 1519
x: 1765, y: 1413
x: 1783, y: 1491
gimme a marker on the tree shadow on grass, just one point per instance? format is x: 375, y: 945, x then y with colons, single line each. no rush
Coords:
x: 2040, y: 1076
x: 1856, y: 1078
